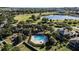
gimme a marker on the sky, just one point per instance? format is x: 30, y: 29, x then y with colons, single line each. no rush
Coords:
x: 39, y: 3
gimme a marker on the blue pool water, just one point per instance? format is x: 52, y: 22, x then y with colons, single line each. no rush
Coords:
x: 60, y: 17
x: 41, y: 38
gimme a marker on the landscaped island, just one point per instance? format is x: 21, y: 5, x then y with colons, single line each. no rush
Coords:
x: 39, y: 29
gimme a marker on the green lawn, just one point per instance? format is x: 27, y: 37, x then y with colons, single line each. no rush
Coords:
x: 22, y: 17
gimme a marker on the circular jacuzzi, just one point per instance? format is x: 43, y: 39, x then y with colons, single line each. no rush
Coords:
x: 39, y: 39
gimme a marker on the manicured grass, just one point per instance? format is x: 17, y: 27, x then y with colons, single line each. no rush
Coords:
x: 22, y: 17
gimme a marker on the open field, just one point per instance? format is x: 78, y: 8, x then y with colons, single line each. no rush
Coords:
x: 24, y: 17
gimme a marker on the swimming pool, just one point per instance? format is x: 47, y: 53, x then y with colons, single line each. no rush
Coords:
x: 39, y: 39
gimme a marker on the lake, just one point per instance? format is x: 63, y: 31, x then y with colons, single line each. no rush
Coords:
x: 60, y: 17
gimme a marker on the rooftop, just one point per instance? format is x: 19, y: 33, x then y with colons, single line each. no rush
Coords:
x: 76, y: 38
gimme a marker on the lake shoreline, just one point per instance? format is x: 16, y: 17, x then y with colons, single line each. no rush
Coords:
x: 59, y: 17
